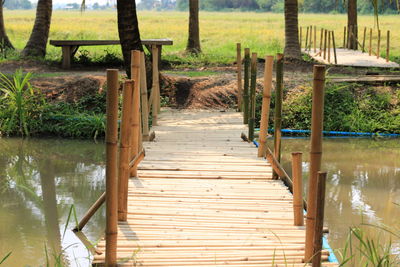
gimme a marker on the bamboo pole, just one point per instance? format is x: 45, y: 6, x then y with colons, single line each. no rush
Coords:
x: 253, y: 84
x: 344, y: 37
x: 111, y: 168
x: 266, y: 101
x: 155, y: 86
x: 311, y: 34
x: 387, y: 45
x: 370, y: 42
x: 315, y: 154
x: 320, y: 41
x: 379, y: 44
x: 334, y: 46
x: 246, y: 85
x: 329, y: 46
x: 135, y: 119
x: 325, y: 37
x: 92, y: 210
x: 301, y: 37
x: 125, y: 146
x: 306, y: 44
x: 278, y: 109
x: 319, y: 222
x: 315, y: 39
x: 143, y: 98
x: 363, y: 43
x: 297, y: 189
x: 239, y: 76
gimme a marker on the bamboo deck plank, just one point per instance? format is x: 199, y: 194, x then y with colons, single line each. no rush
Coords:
x: 203, y: 198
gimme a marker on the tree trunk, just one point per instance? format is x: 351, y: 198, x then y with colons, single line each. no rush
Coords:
x: 352, y: 23
x: 128, y: 29
x: 36, y: 45
x: 193, y: 45
x: 4, y: 41
x: 292, y: 45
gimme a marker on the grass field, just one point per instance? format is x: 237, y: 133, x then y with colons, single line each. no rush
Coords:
x: 219, y: 32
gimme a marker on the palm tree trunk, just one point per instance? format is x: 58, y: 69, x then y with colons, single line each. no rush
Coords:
x: 292, y: 45
x: 4, y: 41
x: 352, y: 23
x: 128, y: 29
x: 36, y: 45
x: 193, y: 45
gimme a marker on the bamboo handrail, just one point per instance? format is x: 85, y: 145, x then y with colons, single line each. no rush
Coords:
x: 91, y: 211
x: 239, y: 76
x: 246, y: 86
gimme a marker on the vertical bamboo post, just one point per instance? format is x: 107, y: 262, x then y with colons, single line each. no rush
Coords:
x: 329, y: 46
x: 143, y: 98
x: 112, y: 168
x: 334, y: 46
x: 266, y: 101
x: 370, y: 42
x: 135, y: 120
x: 297, y: 189
x: 387, y: 45
x: 306, y: 44
x: 239, y: 75
x: 315, y: 39
x: 278, y: 109
x: 325, y: 37
x: 311, y: 34
x: 315, y: 154
x: 379, y: 44
x: 344, y: 37
x: 301, y: 37
x: 155, y: 85
x: 363, y: 43
x: 124, y: 150
x: 253, y: 84
x: 319, y: 220
x: 321, y: 41
x: 246, y: 85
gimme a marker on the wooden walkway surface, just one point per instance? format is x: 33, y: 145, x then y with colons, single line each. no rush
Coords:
x: 203, y: 198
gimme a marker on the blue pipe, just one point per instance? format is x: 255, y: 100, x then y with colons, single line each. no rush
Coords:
x: 325, y: 244
x: 338, y: 133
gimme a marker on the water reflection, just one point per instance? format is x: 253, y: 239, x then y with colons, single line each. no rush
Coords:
x: 363, y: 182
x: 39, y: 181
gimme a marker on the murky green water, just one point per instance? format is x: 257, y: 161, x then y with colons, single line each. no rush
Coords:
x: 40, y: 180
x: 363, y: 184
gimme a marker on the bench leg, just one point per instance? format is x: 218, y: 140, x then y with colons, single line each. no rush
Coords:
x: 66, y: 57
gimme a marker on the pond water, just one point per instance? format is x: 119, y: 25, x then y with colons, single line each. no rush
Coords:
x: 40, y: 179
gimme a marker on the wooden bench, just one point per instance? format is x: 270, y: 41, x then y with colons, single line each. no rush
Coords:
x: 69, y: 47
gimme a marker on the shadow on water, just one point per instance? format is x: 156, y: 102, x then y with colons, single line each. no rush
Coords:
x: 39, y: 181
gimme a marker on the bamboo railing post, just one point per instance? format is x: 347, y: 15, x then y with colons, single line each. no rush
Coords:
x: 344, y: 37
x: 301, y: 37
x: 325, y: 37
x: 321, y: 41
x: 246, y: 85
x: 124, y: 150
x: 334, y: 46
x: 329, y: 46
x: 319, y: 220
x: 143, y: 98
x: 278, y: 109
x: 135, y: 119
x: 315, y: 39
x: 379, y: 44
x: 306, y: 44
x: 297, y: 189
x: 315, y: 154
x: 155, y: 86
x: 112, y: 168
x: 363, y: 43
x: 253, y: 85
x: 266, y: 101
x: 311, y: 34
x: 239, y: 75
x: 370, y: 42
x: 387, y: 45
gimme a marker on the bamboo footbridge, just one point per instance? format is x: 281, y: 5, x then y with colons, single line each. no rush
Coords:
x: 198, y: 192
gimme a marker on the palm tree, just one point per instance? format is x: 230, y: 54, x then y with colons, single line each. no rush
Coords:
x: 352, y: 24
x: 193, y: 45
x: 128, y: 29
x: 4, y: 41
x: 37, y: 43
x: 292, y: 45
